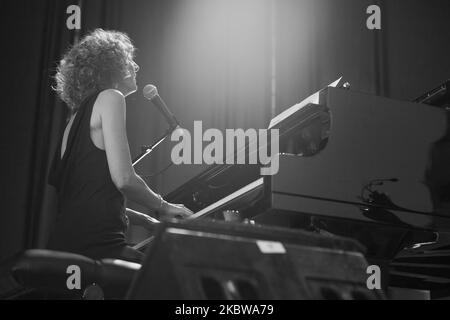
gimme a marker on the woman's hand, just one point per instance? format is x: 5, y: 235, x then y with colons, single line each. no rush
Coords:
x: 170, y: 211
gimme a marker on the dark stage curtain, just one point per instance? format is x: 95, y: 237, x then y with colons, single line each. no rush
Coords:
x: 319, y: 40
x: 34, y: 34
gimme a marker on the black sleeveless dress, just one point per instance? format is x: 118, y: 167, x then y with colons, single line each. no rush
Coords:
x: 91, y: 211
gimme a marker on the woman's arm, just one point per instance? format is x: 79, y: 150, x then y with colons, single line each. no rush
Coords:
x: 111, y: 107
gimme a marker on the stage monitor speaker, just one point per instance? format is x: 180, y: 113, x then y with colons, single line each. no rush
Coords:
x: 222, y: 260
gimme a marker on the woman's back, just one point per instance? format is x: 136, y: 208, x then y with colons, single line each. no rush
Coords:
x: 91, y: 210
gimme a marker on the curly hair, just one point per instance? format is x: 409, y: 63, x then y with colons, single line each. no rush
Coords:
x: 95, y: 63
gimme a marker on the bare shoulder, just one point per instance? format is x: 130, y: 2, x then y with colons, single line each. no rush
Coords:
x: 110, y: 100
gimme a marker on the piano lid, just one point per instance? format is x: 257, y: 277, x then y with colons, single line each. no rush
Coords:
x: 314, y: 99
x: 220, y: 180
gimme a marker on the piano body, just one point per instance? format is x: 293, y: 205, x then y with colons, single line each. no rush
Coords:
x: 351, y: 164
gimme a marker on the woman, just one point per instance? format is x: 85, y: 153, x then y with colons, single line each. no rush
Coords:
x: 92, y: 169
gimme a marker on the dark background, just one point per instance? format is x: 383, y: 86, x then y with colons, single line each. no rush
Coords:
x: 211, y: 61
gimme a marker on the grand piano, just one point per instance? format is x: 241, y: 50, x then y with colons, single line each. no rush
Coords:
x: 351, y: 164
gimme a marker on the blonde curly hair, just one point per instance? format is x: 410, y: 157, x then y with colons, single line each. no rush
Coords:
x: 100, y: 60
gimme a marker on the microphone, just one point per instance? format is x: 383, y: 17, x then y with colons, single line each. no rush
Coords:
x: 151, y: 93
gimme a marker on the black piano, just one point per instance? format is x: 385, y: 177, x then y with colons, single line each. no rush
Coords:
x: 351, y: 164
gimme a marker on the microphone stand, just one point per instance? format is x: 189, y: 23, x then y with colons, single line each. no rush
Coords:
x: 146, y: 150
